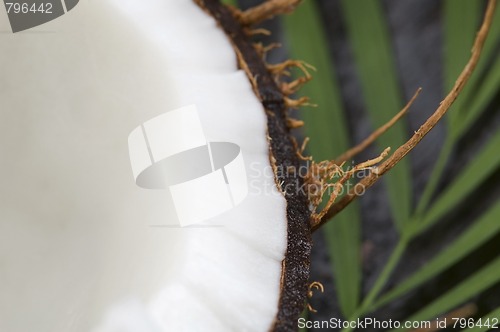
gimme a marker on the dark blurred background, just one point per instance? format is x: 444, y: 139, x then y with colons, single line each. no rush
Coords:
x: 416, y: 30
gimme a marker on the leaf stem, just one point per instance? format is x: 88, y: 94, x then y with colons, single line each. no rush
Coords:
x: 431, y: 122
x: 349, y: 154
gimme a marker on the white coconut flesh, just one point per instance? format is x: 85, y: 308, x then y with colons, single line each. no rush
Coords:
x: 78, y: 251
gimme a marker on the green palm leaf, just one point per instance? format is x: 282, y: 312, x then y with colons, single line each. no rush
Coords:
x: 368, y: 34
x: 478, y: 282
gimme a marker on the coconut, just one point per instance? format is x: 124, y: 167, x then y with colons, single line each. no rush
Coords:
x: 83, y: 248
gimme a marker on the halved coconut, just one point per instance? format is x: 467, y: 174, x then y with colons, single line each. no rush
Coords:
x: 82, y: 247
